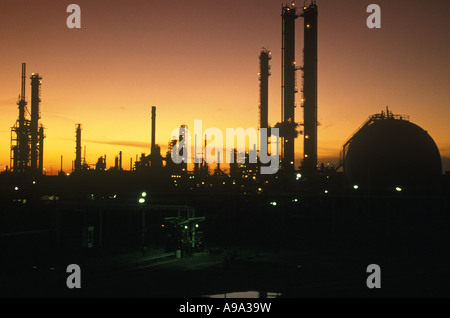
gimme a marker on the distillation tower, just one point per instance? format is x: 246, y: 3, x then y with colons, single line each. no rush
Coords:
x: 27, y: 135
x: 309, y: 100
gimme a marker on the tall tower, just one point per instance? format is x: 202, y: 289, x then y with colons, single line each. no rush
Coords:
x: 288, y: 126
x: 27, y: 137
x: 264, y: 74
x: 155, y: 152
x: 34, y: 123
x: 152, y: 150
x: 20, y: 151
x: 41, y: 150
x: 309, y: 164
x: 78, y: 148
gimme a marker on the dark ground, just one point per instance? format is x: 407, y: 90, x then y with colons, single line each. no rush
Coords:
x: 318, y: 246
x: 337, y: 272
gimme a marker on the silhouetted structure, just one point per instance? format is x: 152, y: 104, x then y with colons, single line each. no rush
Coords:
x: 337, y: 220
x: 101, y: 163
x: 288, y: 125
x: 34, y: 125
x: 390, y: 154
x: 78, y: 165
x: 41, y: 150
x: 153, y: 129
x: 264, y: 74
x: 156, y: 158
x: 176, y: 157
x: 309, y: 164
x: 27, y: 136
x: 19, y: 145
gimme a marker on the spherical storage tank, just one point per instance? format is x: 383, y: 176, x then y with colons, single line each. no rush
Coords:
x: 389, y: 154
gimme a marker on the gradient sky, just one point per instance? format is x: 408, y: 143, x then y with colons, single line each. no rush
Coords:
x: 197, y: 59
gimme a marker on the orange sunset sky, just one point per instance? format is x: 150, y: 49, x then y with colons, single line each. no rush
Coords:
x: 197, y: 59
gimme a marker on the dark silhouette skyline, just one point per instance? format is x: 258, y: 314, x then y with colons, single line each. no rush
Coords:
x: 163, y: 227
x: 204, y: 65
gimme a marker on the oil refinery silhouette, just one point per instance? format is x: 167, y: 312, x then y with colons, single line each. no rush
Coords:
x: 386, y: 202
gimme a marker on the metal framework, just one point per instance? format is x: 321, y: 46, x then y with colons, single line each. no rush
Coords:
x: 27, y: 135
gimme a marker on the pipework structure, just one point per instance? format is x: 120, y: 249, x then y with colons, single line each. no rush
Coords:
x: 309, y: 163
x: 27, y: 135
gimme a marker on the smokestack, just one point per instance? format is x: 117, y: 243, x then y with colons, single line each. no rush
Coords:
x: 152, y: 150
x: 78, y: 148
x: 120, y: 160
x: 309, y: 164
x: 218, y: 160
x: 22, y: 88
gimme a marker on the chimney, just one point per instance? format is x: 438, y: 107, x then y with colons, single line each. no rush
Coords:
x: 153, y: 129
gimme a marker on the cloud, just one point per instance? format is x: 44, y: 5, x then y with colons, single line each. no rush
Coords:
x: 58, y: 116
x: 124, y: 143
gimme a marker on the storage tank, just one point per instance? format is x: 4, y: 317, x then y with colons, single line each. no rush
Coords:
x: 389, y: 154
